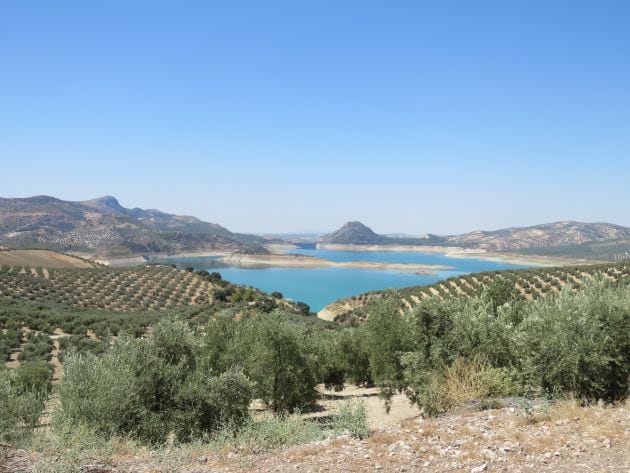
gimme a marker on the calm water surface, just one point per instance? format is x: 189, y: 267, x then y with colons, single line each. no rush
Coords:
x: 319, y: 287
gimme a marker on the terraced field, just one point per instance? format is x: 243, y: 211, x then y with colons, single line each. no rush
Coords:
x: 116, y: 290
x: 43, y: 259
x: 615, y: 250
x: 529, y: 284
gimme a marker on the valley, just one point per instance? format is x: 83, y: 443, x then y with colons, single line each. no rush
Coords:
x: 312, y: 237
x: 269, y: 346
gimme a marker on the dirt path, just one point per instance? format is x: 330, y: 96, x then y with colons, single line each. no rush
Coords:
x: 562, y: 439
x: 54, y: 361
x: 401, y: 409
x: 580, y: 439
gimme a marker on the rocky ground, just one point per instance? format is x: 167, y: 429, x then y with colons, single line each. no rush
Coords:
x: 560, y: 438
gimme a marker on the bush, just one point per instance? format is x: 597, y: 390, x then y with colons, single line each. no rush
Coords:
x: 274, y: 432
x: 351, y: 419
x: 445, y: 352
x: 387, y: 337
x: 285, y: 375
x: 34, y: 377
x: 439, y: 390
x: 579, y: 343
x: 20, y: 408
x: 277, y: 353
x: 354, y: 351
x: 153, y: 388
x: 304, y: 308
x: 102, y: 392
x: 500, y: 292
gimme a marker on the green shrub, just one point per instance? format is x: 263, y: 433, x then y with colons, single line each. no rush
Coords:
x: 579, y: 343
x: 20, y: 409
x: 273, y: 432
x: 570, y: 343
x: 387, y: 337
x: 153, y: 388
x: 438, y: 390
x: 284, y: 373
x: 354, y: 350
x: 34, y: 377
x: 102, y: 392
x: 351, y: 418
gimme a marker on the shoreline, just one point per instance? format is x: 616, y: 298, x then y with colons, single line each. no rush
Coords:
x: 280, y: 258
x: 459, y: 252
x: 134, y: 260
x: 300, y: 261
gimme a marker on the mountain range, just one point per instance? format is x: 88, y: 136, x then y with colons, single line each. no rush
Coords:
x: 103, y: 227
x: 575, y: 239
x: 541, y: 236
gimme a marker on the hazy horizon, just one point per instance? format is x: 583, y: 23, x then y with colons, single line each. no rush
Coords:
x: 280, y: 117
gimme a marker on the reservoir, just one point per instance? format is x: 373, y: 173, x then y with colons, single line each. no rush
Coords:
x: 319, y: 287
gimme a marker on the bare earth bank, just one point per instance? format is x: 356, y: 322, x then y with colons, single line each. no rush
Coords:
x: 302, y: 261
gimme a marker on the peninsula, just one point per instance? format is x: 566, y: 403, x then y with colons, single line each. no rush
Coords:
x: 302, y: 261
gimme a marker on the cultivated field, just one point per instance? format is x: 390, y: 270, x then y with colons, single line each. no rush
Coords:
x: 159, y: 369
x: 136, y: 289
x: 528, y: 284
x: 41, y: 259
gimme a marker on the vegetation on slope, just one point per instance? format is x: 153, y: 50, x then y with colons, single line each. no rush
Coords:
x: 104, y: 227
x: 191, y: 373
x: 123, y: 290
x: 614, y: 250
x: 42, y: 259
x: 527, y: 284
x: 547, y: 235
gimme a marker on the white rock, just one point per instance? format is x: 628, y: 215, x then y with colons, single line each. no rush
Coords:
x: 480, y: 468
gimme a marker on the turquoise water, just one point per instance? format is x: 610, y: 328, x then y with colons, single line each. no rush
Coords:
x: 319, y: 287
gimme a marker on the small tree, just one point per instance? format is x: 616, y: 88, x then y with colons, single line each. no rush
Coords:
x: 285, y: 375
x: 303, y: 307
x: 500, y: 292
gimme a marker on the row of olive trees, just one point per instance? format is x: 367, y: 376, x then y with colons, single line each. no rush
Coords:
x: 186, y: 384
x: 189, y: 384
x: 493, y: 345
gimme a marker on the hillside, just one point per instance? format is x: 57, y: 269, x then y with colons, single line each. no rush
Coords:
x: 576, y: 240
x: 611, y: 250
x: 355, y: 233
x: 146, y: 288
x: 105, y: 228
x: 562, y: 438
x: 42, y: 259
x: 528, y: 284
x: 537, y: 237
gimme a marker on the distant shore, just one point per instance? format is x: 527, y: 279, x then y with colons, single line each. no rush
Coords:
x: 280, y: 258
x: 134, y: 260
x: 302, y: 261
x: 458, y: 252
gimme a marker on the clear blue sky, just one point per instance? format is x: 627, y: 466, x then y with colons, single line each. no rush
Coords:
x: 263, y: 116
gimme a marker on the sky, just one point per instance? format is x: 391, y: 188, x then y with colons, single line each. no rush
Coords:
x: 296, y: 116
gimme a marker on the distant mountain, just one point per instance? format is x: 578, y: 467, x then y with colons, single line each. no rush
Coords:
x: 574, y: 239
x: 355, y: 233
x: 352, y: 233
x: 155, y: 218
x: 104, y: 227
x: 548, y: 235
